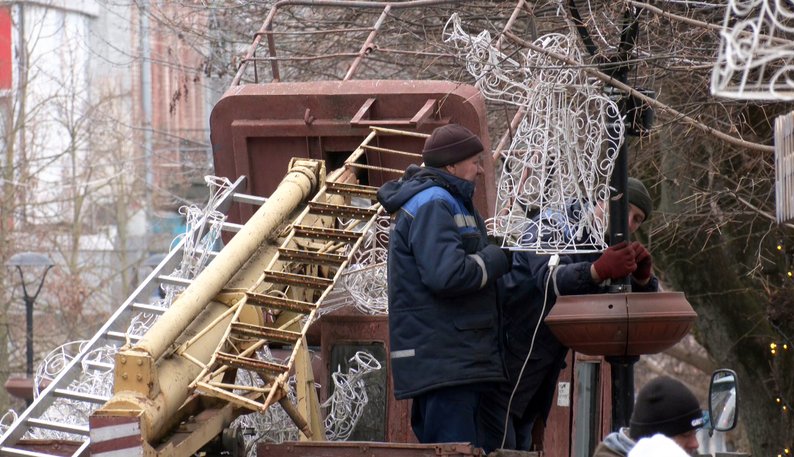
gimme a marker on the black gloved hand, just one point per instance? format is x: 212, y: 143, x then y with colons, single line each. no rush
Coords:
x: 496, y: 260
x: 499, y: 241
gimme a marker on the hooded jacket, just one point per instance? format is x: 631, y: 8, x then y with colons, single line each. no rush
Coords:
x: 443, y: 310
x: 616, y: 444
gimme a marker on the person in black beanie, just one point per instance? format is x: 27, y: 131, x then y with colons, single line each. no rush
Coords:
x: 442, y: 272
x: 663, y: 406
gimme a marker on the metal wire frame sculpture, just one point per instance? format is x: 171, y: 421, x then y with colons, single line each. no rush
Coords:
x: 7, y: 419
x: 274, y: 425
x: 755, y: 60
x: 555, y: 175
x: 346, y: 404
x: 365, y: 279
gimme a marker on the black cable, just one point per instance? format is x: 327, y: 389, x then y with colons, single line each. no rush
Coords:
x: 589, y: 45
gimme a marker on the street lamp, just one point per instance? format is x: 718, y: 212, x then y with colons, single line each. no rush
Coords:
x: 21, y: 261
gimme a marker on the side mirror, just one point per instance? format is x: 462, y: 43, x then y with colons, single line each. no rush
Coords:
x: 723, y: 400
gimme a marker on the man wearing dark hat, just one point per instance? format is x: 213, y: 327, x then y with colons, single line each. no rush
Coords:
x: 443, y: 319
x: 663, y: 406
x: 528, y: 293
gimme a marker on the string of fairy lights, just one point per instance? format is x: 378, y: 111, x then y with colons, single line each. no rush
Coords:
x: 781, y: 349
x: 778, y: 350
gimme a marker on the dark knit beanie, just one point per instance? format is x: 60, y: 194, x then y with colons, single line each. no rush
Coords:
x: 639, y: 197
x: 666, y: 406
x: 450, y: 144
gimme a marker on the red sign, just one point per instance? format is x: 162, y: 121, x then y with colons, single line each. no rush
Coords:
x: 6, y: 55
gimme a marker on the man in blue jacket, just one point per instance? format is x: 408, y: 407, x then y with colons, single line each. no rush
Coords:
x: 529, y: 291
x: 443, y: 310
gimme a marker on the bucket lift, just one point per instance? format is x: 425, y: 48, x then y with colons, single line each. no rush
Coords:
x: 174, y: 387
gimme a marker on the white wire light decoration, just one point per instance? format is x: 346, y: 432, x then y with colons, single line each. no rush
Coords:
x: 272, y: 426
x: 343, y: 408
x: 365, y: 278
x: 555, y: 176
x: 346, y: 405
x: 7, y: 419
x: 756, y: 57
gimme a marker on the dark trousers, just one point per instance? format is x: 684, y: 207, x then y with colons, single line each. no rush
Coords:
x: 492, y: 426
x: 447, y: 415
x: 531, y: 400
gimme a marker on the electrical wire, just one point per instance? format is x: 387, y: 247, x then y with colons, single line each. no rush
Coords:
x: 553, y: 264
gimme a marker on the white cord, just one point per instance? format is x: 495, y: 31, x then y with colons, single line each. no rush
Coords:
x: 554, y: 261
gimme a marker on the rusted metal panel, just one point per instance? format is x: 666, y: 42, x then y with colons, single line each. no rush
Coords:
x: 20, y: 387
x: 606, y: 398
x: 512, y: 453
x: 556, y: 438
x: 257, y: 129
x: 366, y: 448
x: 51, y: 447
x: 559, y: 432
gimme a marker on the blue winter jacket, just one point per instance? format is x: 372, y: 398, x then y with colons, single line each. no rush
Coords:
x: 443, y: 310
x: 530, y: 283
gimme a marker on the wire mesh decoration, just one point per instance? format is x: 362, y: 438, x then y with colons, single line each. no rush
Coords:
x: 343, y: 408
x: 346, y: 405
x: 365, y: 278
x: 203, y: 227
x: 755, y: 60
x: 7, y: 419
x: 554, y: 181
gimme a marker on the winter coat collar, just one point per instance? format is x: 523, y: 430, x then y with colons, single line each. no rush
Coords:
x: 619, y: 441
x: 394, y: 194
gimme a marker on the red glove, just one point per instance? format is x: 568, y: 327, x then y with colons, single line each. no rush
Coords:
x: 644, y: 263
x: 616, y: 262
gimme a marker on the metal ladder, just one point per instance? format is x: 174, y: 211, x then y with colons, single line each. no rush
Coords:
x: 113, y: 333
x: 309, y: 261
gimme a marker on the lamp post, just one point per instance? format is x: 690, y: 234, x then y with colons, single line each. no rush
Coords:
x: 637, y: 122
x: 21, y: 262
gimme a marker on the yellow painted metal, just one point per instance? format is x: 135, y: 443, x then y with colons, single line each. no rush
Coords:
x: 294, y: 189
x: 190, y: 353
x: 306, y: 393
x: 154, y: 386
x: 158, y: 390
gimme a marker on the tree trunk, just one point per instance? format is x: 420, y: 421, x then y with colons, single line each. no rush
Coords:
x: 706, y: 260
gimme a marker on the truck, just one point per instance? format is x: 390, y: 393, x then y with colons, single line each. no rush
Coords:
x: 283, y: 248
